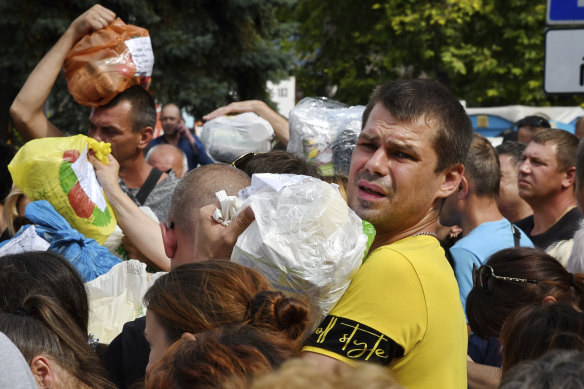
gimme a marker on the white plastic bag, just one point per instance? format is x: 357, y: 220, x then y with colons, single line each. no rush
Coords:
x: 228, y: 137
x: 325, y: 131
x: 115, y: 298
x: 305, y: 239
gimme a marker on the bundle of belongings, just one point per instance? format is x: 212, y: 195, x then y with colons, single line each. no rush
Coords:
x: 325, y: 132
x: 305, y: 239
x: 107, y: 62
x: 69, y: 209
x: 228, y: 137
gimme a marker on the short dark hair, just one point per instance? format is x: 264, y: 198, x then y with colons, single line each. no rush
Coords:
x: 566, y: 145
x: 197, y: 189
x: 143, y: 112
x: 533, y: 121
x: 278, y: 162
x: 513, y: 149
x: 482, y: 167
x: 428, y: 102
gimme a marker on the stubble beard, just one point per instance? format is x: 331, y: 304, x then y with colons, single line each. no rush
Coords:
x: 379, y: 215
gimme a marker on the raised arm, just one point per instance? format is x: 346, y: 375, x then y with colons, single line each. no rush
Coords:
x: 142, y: 231
x: 27, y: 108
x: 279, y: 124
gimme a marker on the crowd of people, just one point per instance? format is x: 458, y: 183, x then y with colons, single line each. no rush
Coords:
x: 475, y: 276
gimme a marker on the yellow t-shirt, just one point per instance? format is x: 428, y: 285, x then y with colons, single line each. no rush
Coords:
x: 402, y: 310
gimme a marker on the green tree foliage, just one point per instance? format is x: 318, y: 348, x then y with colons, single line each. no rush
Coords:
x: 488, y: 52
x: 207, y: 52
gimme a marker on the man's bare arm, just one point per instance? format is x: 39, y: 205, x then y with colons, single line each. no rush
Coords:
x: 142, y: 231
x: 27, y: 108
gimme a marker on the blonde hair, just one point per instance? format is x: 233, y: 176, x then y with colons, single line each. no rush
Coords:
x: 341, y: 180
x: 303, y: 373
x: 11, y: 208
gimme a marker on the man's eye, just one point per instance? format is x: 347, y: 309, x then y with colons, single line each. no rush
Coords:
x: 402, y: 155
x: 367, y: 145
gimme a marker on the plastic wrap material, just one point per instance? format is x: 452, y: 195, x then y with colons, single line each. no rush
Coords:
x: 115, y: 298
x: 57, y: 170
x: 226, y: 138
x: 107, y: 62
x: 325, y: 131
x: 305, y: 239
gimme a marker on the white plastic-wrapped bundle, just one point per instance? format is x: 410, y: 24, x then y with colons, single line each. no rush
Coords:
x: 305, y: 239
x: 228, y: 137
x: 325, y: 131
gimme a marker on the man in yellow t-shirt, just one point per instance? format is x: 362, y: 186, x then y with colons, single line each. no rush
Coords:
x: 402, y: 308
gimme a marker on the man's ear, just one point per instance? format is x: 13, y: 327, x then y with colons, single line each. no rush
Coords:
x: 549, y: 300
x: 463, y: 188
x: 568, y: 180
x: 42, y: 371
x: 168, y: 239
x: 146, y: 135
x: 451, y: 180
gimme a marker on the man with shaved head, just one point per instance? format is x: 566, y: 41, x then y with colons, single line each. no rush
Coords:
x: 127, y: 355
x: 168, y: 157
x: 177, y: 134
x: 195, y: 190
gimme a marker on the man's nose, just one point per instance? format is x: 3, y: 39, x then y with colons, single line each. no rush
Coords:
x: 96, y: 134
x: 524, y: 167
x: 378, y: 163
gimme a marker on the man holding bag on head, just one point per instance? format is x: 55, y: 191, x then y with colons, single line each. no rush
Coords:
x: 127, y: 121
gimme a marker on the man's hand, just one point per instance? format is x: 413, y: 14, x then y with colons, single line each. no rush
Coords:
x: 214, y: 240
x: 95, y: 18
x: 107, y: 175
x: 237, y: 107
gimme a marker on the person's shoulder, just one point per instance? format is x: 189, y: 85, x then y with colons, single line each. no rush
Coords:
x: 156, y: 141
x: 410, y: 252
x: 574, y: 215
x: 137, y: 325
x: 525, y: 224
x: 169, y: 182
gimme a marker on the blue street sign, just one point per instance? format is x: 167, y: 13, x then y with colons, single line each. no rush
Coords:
x: 565, y: 12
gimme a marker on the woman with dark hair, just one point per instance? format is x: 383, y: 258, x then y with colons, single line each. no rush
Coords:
x: 513, y: 278
x: 201, y: 296
x: 226, y: 355
x: 45, y: 273
x: 52, y: 344
x: 533, y: 330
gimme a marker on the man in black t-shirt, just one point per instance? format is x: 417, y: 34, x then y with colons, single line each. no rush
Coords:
x: 546, y: 183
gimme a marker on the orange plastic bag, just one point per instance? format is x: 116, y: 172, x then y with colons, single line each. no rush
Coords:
x: 107, y: 62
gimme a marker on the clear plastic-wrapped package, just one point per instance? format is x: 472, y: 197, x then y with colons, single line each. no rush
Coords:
x: 305, y: 239
x: 325, y: 131
x: 226, y: 138
x: 107, y: 62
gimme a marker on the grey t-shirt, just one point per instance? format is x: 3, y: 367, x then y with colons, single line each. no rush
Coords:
x: 159, y: 198
x: 16, y: 373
